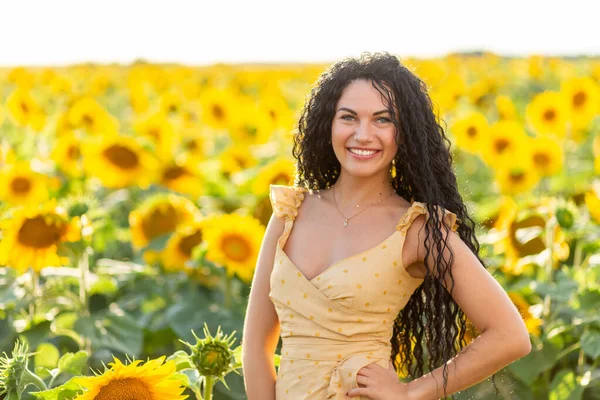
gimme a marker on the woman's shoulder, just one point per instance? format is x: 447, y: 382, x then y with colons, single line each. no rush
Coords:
x: 285, y: 200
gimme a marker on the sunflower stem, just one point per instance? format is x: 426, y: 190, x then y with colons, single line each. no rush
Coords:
x: 208, y: 387
x: 549, y: 263
x: 227, y: 291
x: 84, y: 267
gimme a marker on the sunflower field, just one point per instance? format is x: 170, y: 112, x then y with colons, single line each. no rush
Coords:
x: 134, y: 199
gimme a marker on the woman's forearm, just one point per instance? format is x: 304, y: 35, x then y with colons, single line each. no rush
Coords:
x: 484, y: 356
x: 259, y: 376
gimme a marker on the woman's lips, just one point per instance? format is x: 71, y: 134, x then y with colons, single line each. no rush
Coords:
x: 363, y: 157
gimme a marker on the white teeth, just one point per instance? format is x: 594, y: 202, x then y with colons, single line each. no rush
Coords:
x: 363, y: 152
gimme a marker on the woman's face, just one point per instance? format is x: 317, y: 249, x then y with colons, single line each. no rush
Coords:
x: 362, y: 133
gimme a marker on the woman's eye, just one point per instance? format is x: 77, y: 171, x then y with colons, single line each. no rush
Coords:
x: 345, y: 117
x: 384, y: 119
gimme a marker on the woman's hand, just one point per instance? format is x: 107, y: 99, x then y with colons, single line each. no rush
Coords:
x: 378, y: 383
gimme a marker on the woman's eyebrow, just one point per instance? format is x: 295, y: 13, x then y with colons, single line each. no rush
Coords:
x: 354, y: 112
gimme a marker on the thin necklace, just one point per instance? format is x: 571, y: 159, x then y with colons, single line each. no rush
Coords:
x: 348, y: 219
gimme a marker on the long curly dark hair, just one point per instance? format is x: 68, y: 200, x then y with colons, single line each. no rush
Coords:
x: 424, y: 173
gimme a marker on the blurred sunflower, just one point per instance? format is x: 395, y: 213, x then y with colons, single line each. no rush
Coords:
x: 24, y: 109
x: 506, y: 108
x: 21, y: 77
x: 159, y: 215
x: 279, y: 172
x: 182, y: 177
x: 31, y: 237
x: 233, y: 242
x: 159, y: 130
x: 471, y: 132
x: 532, y: 323
x: 548, y: 114
x: 518, y: 177
x: 236, y: 158
x: 252, y: 124
x: 87, y: 114
x: 179, y: 247
x: 20, y: 185
x: 1, y: 114
x: 7, y: 154
x: 171, y: 103
x: 592, y: 201
x: 583, y: 95
x: 547, y: 155
x: 506, y: 139
x: 277, y: 108
x: 138, y: 98
x: 218, y: 108
x: 151, y: 381
x: 118, y: 161
x: 67, y: 155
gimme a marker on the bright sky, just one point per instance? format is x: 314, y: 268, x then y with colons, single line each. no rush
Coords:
x: 60, y: 32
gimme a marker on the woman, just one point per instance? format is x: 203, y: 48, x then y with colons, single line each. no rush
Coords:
x: 382, y: 252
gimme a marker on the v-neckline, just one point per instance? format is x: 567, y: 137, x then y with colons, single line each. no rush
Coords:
x: 396, y: 231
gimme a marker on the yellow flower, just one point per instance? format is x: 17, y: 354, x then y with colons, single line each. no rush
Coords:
x: 548, y: 114
x: 517, y: 177
x: 21, y: 77
x: 159, y: 130
x: 118, y: 161
x: 171, y: 103
x: 159, y: 215
x: 20, y: 185
x: 67, y: 155
x: 252, y: 124
x: 506, y: 138
x: 584, y: 99
x: 138, y: 98
x: 236, y: 158
x: 32, y: 236
x: 506, y: 108
x: 218, y: 108
x: 87, y: 114
x: 471, y: 132
x: 182, y: 177
x: 24, y: 110
x: 151, y: 381
x: 233, y: 242
x: 279, y: 172
x: 547, y: 155
x: 532, y: 323
x: 179, y: 247
x: 592, y: 201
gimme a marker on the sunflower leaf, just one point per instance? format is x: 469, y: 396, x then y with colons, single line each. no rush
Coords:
x: 73, y: 362
x: 66, y: 391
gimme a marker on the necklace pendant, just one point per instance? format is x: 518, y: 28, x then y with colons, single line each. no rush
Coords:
x: 346, y: 222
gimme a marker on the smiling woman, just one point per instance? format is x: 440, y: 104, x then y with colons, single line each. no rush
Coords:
x: 358, y: 302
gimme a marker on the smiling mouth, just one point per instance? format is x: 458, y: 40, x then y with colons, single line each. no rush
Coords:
x: 363, y: 153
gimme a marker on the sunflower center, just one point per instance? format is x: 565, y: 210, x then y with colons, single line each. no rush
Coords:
x: 191, y: 145
x: 501, y: 145
x: 88, y: 120
x: 173, y: 173
x: 236, y: 248
x: 124, y: 389
x: 187, y: 244
x: 20, y: 185
x: 73, y: 152
x: 472, y: 132
x: 39, y: 234
x: 517, y: 177
x: 24, y: 107
x: 579, y: 99
x: 121, y: 156
x: 218, y: 112
x: 541, y: 159
x: 154, y: 133
x: 160, y: 221
x: 549, y: 115
x: 281, y: 179
x: 241, y: 162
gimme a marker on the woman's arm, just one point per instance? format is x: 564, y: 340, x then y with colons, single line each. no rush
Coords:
x: 261, y: 325
x: 503, y: 339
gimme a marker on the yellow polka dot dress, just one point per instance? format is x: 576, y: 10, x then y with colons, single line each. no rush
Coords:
x: 342, y: 319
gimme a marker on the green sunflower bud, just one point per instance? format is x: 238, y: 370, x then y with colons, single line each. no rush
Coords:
x: 566, y: 213
x: 14, y: 375
x: 212, y: 356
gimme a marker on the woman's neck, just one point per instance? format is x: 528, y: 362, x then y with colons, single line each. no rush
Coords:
x: 350, y: 191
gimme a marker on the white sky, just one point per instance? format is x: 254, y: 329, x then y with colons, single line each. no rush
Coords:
x: 60, y: 32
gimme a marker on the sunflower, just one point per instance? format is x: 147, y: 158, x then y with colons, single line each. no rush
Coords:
x: 532, y: 323
x: 592, y: 201
x: 471, y: 132
x: 548, y: 114
x: 87, y: 114
x: 159, y: 130
x: 236, y: 158
x: 159, y: 215
x: 20, y: 185
x: 547, y: 155
x: 584, y: 100
x: 182, y: 177
x: 178, y: 250
x: 171, y: 103
x: 138, y: 98
x: 506, y: 139
x: 24, y: 110
x: 277, y: 108
x: 233, y: 242
x: 519, y: 176
x: 506, y: 108
x: 219, y: 108
x: 118, y: 161
x: 279, y: 172
x: 252, y: 124
x: 151, y: 381
x: 67, y: 155
x: 32, y: 237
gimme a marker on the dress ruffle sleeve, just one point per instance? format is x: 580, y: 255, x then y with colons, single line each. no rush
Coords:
x: 418, y: 208
x: 285, y: 200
